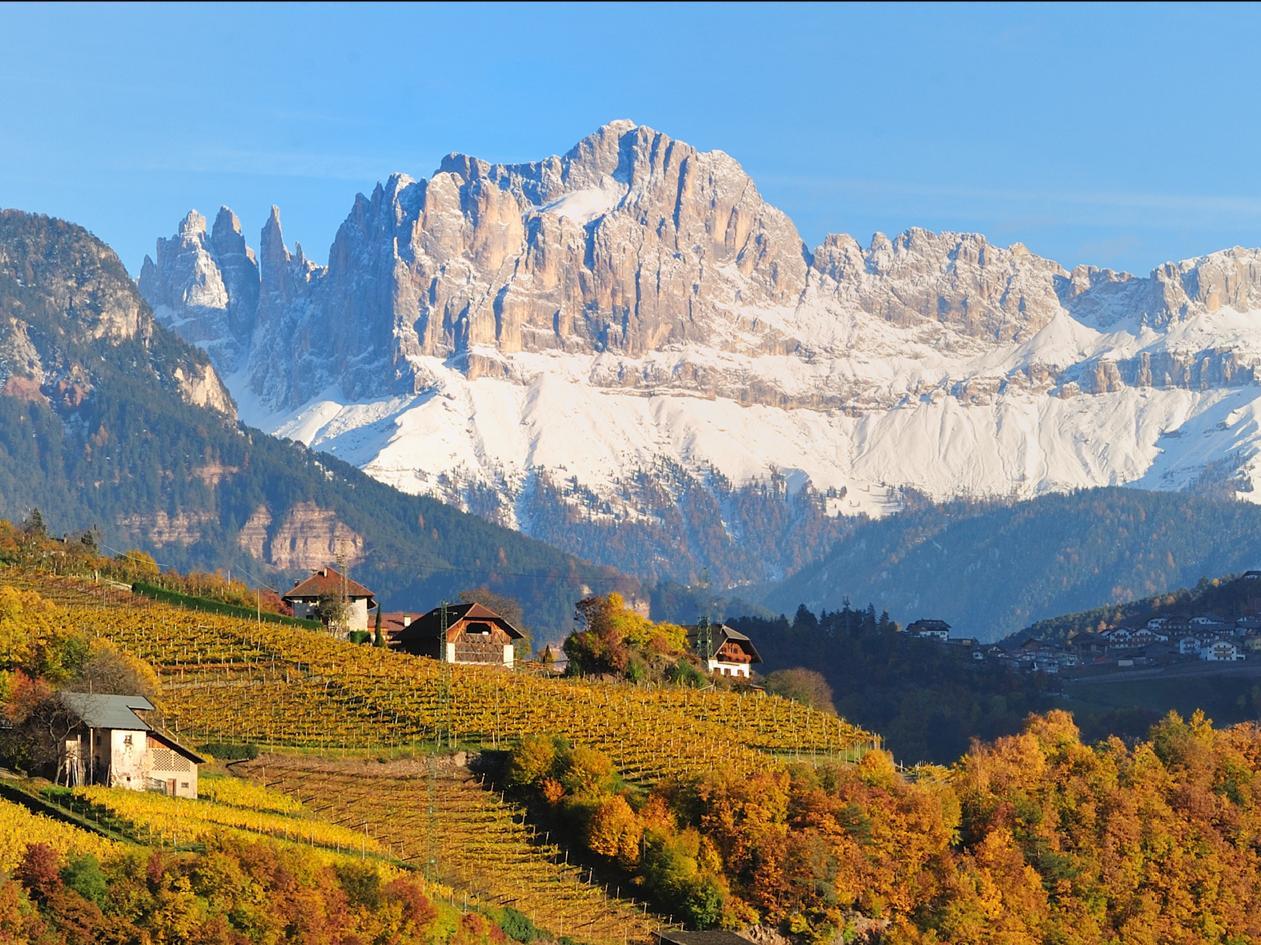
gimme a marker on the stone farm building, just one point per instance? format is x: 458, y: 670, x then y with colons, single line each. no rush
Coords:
x: 725, y: 650
x: 305, y: 595
x: 460, y: 633
x: 110, y: 743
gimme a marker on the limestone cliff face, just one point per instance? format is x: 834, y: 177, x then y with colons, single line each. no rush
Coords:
x: 305, y: 537
x: 205, y: 284
x: 159, y: 528
x: 630, y: 243
x: 498, y: 333
x: 958, y: 280
x: 1173, y: 292
x: 664, y: 264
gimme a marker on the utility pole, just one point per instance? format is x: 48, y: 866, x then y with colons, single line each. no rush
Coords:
x: 342, y: 567
x: 444, y: 684
x: 704, y: 626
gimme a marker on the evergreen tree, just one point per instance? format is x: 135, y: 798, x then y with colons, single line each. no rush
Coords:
x: 805, y: 620
x: 34, y: 523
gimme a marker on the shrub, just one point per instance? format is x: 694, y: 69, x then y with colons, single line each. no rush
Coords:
x: 532, y: 761
x: 683, y: 673
x: 39, y: 871
x: 362, y: 883
x: 518, y: 926
x: 230, y: 751
x: 83, y: 875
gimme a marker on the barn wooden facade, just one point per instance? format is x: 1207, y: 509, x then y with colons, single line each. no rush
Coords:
x: 460, y: 633
x: 724, y: 649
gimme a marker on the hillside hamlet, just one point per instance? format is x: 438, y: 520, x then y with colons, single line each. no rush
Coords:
x: 471, y: 632
x: 1163, y: 641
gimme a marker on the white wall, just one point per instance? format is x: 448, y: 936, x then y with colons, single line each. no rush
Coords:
x: 356, y: 613
x: 129, y: 756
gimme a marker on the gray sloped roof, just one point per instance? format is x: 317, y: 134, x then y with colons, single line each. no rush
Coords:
x: 108, y: 711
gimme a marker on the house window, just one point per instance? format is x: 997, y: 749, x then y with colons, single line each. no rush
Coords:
x: 184, y: 784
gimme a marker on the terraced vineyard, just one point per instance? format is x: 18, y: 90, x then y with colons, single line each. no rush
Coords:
x: 434, y: 814
x: 228, y: 679
x: 174, y: 821
x: 225, y: 678
x: 19, y: 828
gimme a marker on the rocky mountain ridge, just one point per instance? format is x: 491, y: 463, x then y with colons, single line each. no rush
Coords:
x: 66, y: 297
x: 497, y: 332
x: 109, y: 421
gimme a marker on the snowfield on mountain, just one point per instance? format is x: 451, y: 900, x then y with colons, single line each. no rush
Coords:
x: 528, y: 341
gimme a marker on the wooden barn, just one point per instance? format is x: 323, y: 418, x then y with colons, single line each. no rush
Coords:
x: 724, y: 649
x: 461, y: 633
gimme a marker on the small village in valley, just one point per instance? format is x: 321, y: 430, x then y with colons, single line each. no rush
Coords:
x: 1151, y: 646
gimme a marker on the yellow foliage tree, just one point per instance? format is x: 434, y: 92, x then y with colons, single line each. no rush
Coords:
x: 27, y: 624
x: 614, y: 831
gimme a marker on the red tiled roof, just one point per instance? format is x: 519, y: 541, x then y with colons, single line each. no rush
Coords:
x: 393, y: 622
x: 325, y: 581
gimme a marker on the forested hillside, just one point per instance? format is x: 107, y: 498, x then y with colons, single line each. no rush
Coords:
x: 927, y: 700
x: 1037, y: 837
x: 108, y: 420
x: 991, y: 569
x: 1225, y: 598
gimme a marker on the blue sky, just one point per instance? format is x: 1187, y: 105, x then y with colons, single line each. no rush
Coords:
x: 1119, y: 136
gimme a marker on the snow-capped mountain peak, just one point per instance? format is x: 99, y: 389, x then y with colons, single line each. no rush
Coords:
x: 497, y: 333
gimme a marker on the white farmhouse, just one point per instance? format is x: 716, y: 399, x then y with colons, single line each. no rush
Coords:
x: 1221, y: 651
x: 305, y: 596
x: 110, y: 743
x: 1190, y: 646
x: 930, y: 629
